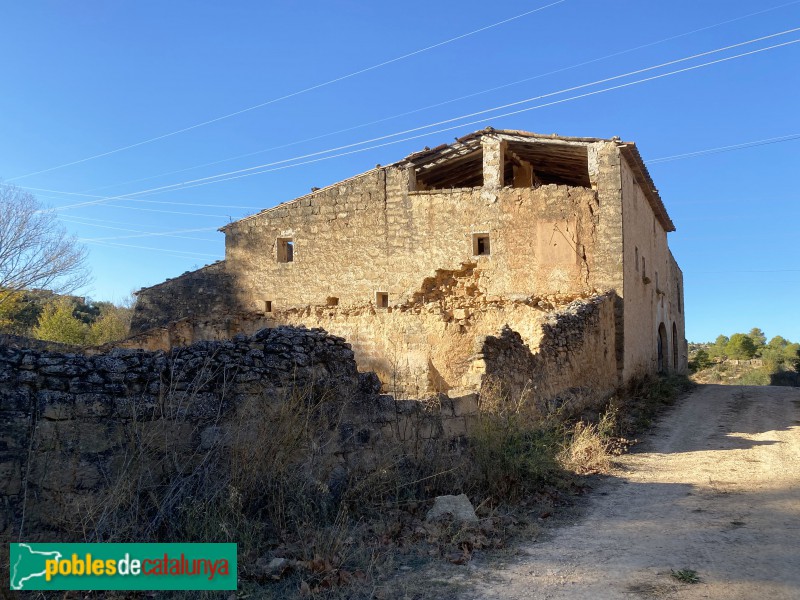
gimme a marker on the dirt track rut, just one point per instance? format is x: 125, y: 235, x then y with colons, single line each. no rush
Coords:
x: 714, y: 488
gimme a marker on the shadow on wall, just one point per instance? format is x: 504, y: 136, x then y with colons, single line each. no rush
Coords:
x: 575, y: 365
x: 202, y: 292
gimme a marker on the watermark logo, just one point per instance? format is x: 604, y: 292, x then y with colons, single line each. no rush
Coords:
x: 123, y: 566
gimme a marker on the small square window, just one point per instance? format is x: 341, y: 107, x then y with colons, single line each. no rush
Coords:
x: 332, y: 301
x: 285, y: 250
x: 268, y: 306
x: 481, y: 245
x: 382, y: 299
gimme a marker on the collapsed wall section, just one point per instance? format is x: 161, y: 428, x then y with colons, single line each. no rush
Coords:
x: 76, y: 427
x: 525, y: 214
x: 573, y: 367
x: 419, y: 348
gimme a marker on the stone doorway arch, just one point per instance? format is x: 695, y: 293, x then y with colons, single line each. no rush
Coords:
x: 674, y: 346
x: 663, y: 349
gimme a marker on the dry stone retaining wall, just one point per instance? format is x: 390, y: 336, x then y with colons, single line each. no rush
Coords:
x: 69, y: 423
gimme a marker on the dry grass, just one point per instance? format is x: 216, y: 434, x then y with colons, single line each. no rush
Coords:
x: 266, y: 478
x: 589, y: 447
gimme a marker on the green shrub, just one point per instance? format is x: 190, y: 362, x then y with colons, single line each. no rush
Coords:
x: 700, y: 361
x: 755, y: 377
x: 513, y: 455
x: 740, y: 347
x: 111, y: 325
x: 58, y: 324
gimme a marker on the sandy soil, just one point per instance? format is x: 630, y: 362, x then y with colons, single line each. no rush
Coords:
x: 714, y: 488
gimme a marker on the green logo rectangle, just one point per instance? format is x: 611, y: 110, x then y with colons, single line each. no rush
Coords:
x: 123, y: 566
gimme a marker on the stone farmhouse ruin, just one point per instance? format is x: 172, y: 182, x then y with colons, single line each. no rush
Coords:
x: 538, y: 262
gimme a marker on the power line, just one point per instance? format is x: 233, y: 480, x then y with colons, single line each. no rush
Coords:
x: 103, y: 199
x: 445, y: 102
x: 764, y: 142
x: 144, y: 235
x: 293, y: 94
x: 255, y: 170
x: 139, y: 233
x: 201, y: 182
x: 179, y: 252
x: 83, y: 218
x: 450, y: 101
x: 83, y: 194
x: 193, y: 230
x: 168, y: 212
x: 500, y: 107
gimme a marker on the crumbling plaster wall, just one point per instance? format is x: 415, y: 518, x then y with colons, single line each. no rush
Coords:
x: 653, y: 286
x: 421, y: 350
x: 376, y: 233
x: 418, y: 348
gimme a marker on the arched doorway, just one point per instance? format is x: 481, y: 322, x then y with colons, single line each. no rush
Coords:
x: 674, y: 347
x: 663, y: 349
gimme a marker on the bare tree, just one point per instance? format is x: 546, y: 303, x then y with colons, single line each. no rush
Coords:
x: 35, y: 249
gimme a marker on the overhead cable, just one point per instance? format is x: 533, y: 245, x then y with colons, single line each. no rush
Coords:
x: 764, y: 142
x: 259, y: 169
x: 290, y: 95
x: 445, y: 102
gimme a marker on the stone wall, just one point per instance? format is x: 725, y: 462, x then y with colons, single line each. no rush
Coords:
x: 653, y: 287
x: 573, y: 368
x: 418, y: 348
x: 350, y: 244
x: 201, y: 292
x: 71, y: 424
x: 379, y: 233
x: 512, y: 219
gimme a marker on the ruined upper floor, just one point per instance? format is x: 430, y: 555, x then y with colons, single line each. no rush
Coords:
x: 492, y: 159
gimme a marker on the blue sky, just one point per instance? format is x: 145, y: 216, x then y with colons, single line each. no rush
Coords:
x: 87, y: 80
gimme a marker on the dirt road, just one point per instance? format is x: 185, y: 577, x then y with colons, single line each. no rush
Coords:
x: 715, y: 489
